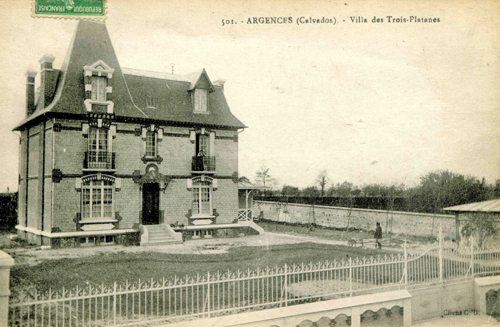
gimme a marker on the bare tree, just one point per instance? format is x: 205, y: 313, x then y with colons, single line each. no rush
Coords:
x: 263, y: 176
x: 322, y: 180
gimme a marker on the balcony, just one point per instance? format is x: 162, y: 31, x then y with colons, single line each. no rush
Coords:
x: 203, y: 164
x: 99, y: 160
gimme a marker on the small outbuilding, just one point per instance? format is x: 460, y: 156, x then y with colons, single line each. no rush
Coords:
x: 491, y: 207
x: 246, y: 191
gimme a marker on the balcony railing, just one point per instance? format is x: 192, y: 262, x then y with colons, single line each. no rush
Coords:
x: 203, y: 164
x: 99, y: 160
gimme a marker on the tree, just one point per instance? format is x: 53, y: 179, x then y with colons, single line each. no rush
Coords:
x: 480, y: 225
x: 288, y: 190
x: 311, y: 192
x: 322, y: 180
x: 262, y: 176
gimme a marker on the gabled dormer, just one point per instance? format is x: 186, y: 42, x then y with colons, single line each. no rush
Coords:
x: 199, y: 89
x: 97, y: 87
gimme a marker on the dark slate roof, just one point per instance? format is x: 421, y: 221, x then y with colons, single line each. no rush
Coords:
x: 90, y: 43
x: 173, y: 101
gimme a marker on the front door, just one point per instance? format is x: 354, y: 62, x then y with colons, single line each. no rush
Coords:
x: 150, y: 204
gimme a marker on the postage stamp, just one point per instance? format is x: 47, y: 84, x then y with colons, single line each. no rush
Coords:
x: 69, y: 9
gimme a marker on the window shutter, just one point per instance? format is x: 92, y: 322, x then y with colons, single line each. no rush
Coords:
x: 203, y: 95
x: 85, y: 129
x: 78, y: 184
x: 212, y: 144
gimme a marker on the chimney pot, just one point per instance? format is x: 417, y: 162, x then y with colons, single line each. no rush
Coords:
x: 46, y: 61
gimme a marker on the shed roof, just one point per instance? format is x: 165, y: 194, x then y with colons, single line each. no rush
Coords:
x: 249, y: 186
x: 483, y: 206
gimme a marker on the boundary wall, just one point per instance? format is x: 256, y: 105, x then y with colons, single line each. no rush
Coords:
x: 399, y: 222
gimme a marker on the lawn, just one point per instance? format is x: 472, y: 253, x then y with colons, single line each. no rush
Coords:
x: 334, y: 234
x: 121, y: 266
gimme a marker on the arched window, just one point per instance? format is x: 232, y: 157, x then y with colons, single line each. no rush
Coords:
x: 97, y: 199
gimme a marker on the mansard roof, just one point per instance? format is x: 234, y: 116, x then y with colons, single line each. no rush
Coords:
x: 131, y: 87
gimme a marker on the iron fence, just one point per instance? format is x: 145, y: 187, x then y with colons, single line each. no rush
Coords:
x: 215, y: 294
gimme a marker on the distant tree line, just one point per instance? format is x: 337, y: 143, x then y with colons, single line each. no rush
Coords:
x: 8, y: 211
x: 435, y: 191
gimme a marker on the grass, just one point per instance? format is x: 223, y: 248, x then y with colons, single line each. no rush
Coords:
x: 122, y: 266
x: 333, y: 234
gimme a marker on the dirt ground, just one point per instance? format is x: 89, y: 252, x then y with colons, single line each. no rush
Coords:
x: 33, y: 256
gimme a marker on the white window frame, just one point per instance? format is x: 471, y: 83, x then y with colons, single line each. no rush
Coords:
x: 154, y: 139
x: 88, y: 210
x: 99, y: 88
x: 95, y: 148
x: 201, y: 100
x: 197, y: 195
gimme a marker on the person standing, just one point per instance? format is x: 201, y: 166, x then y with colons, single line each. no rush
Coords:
x: 378, y: 236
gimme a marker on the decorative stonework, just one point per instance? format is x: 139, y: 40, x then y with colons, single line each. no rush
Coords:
x: 156, y: 159
x: 151, y: 176
x: 57, y: 127
x: 57, y: 175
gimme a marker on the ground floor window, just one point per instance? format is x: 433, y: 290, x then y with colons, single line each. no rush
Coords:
x: 97, y: 199
x: 202, y: 198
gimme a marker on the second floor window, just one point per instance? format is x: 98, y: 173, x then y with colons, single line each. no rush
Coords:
x: 202, y: 145
x: 151, y: 144
x: 99, y: 84
x: 98, y: 147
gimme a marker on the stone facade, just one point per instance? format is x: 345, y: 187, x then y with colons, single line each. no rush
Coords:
x: 141, y: 138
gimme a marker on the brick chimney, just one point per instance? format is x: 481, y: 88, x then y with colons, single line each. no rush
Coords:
x: 30, y: 91
x: 48, y: 80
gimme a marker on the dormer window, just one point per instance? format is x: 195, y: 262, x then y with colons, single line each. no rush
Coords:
x: 97, y: 78
x: 150, y: 102
x: 99, y: 85
x: 200, y: 100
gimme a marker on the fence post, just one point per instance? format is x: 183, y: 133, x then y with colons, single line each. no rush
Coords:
x: 472, y: 257
x: 6, y: 262
x: 441, y: 255
x: 350, y: 276
x: 405, y: 265
x: 286, y: 285
x: 208, y: 293
x: 114, y: 303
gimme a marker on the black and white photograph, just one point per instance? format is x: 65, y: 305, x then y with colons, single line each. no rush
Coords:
x: 250, y: 163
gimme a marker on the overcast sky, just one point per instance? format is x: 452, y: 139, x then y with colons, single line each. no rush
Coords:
x: 369, y: 103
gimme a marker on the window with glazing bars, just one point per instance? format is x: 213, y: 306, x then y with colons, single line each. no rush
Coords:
x: 97, y: 199
x: 99, y: 84
x: 202, y: 200
x: 151, y: 144
x: 98, y: 146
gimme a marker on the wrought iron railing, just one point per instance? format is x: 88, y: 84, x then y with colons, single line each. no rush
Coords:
x: 99, y: 160
x: 203, y: 163
x: 221, y: 293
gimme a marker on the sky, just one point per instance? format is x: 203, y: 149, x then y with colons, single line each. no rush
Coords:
x: 367, y: 102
